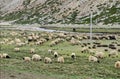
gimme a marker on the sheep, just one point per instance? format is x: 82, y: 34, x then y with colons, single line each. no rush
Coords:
x: 2, y: 42
x: 53, y: 43
x: 32, y: 50
x: 105, y: 49
x: 94, y: 46
x: 17, y: 40
x: 5, y: 55
x: 117, y: 64
x: 113, y: 53
x: 55, y: 54
x: 36, y: 57
x: 60, y: 59
x: 16, y: 49
x: 85, y: 49
x: 73, y: 56
x: 30, y: 38
x: 11, y: 42
x: 99, y: 54
x: 74, y: 41
x: 112, y: 37
x: 20, y: 44
x: 50, y: 51
x: 93, y: 59
x: 26, y: 59
x: 47, y: 60
x: 91, y: 51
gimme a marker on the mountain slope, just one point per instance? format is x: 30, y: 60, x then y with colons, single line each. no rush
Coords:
x: 61, y: 11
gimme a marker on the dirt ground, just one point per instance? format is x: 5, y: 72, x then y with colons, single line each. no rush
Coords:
x: 15, y: 75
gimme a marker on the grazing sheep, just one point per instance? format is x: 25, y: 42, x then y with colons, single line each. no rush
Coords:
x: 112, y: 37
x: 50, y: 51
x: 105, y: 49
x: 99, y: 54
x: 74, y: 41
x: 91, y: 51
x: 36, y: 57
x: 16, y: 49
x: 17, y: 40
x: 117, y: 64
x: 93, y: 59
x: 27, y: 59
x: 5, y: 55
x: 55, y: 54
x: 47, y: 60
x: 32, y: 50
x: 20, y: 44
x: 2, y: 42
x: 60, y: 59
x: 113, y: 53
x: 53, y: 43
x: 30, y: 38
x: 73, y: 56
x: 85, y: 49
x: 94, y: 46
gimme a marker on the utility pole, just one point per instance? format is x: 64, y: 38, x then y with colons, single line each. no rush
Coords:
x: 91, y: 13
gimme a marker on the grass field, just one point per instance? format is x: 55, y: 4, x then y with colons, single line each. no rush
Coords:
x: 85, y: 29
x: 80, y: 68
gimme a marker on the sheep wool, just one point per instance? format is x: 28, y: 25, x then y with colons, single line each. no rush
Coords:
x: 73, y: 56
x: 55, y: 54
x: 93, y: 59
x: 32, y: 50
x: 47, y: 60
x: 99, y: 54
x: 50, y: 51
x: 60, y: 59
x: 36, y: 57
x: 113, y: 53
x: 27, y: 59
x: 16, y: 49
x: 5, y: 55
x: 117, y: 64
x: 85, y: 50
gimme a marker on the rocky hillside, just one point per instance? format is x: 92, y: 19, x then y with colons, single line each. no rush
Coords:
x: 60, y: 11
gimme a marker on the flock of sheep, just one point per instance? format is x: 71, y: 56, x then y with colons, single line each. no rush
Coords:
x: 22, y: 38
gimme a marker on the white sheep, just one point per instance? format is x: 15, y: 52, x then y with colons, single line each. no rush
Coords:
x: 47, y: 60
x: 113, y: 53
x: 32, y: 50
x: 5, y: 55
x: 93, y: 59
x: 36, y: 57
x: 17, y: 40
x: 117, y: 64
x: 55, y: 54
x: 74, y: 41
x: 73, y: 56
x: 53, y: 43
x: 85, y: 49
x: 16, y: 49
x: 60, y: 59
x: 50, y: 51
x: 99, y: 54
x: 27, y: 59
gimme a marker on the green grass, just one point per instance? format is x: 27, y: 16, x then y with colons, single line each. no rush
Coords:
x: 80, y: 68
